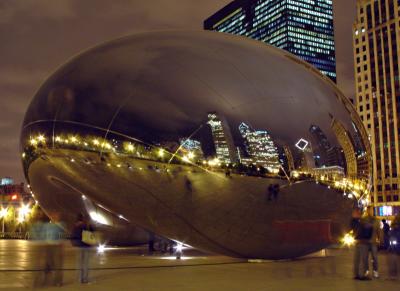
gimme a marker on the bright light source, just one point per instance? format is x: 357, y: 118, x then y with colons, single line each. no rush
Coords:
x: 58, y: 139
x: 74, y: 139
x: 33, y: 141
x: 214, y: 162
x: 179, y: 247
x: 301, y: 144
x: 72, y: 160
x: 393, y: 242
x: 24, y: 210
x: 3, y: 212
x: 348, y: 239
x: 83, y: 197
x: 161, y: 153
x: 96, y: 142
x: 98, y: 217
x: 14, y: 197
x: 41, y: 138
x: 23, y: 155
x: 101, y: 248
x: 191, y: 155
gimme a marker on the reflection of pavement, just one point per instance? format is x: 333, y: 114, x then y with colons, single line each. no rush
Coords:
x: 225, y: 215
x: 130, y: 269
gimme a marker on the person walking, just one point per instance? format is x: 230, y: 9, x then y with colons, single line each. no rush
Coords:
x: 80, y: 226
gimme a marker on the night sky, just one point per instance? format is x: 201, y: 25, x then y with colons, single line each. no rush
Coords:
x: 37, y: 36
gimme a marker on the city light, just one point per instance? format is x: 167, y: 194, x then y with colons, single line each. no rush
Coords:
x: 301, y: 144
x: 96, y: 142
x: 97, y: 217
x: 24, y: 210
x: 161, y: 153
x: 101, y: 248
x: 348, y: 239
x: 3, y: 212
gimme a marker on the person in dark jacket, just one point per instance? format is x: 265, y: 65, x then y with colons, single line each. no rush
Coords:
x: 386, y: 229
x: 82, y: 224
x: 362, y: 237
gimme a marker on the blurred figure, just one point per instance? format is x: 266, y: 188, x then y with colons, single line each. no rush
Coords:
x: 38, y: 235
x: 54, y: 251
x: 276, y: 191
x: 151, y: 248
x: 385, y: 231
x: 81, y: 225
x: 372, y: 223
x: 362, y: 235
x: 188, y: 185
x: 394, y: 249
x: 270, y: 192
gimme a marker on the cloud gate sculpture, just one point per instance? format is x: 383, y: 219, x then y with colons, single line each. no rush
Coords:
x: 218, y: 141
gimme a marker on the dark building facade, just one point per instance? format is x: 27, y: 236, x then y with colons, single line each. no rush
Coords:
x: 304, y: 27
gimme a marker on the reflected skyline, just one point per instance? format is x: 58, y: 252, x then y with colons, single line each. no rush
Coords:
x: 163, y: 156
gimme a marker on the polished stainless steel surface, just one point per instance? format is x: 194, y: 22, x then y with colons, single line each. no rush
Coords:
x: 189, y: 134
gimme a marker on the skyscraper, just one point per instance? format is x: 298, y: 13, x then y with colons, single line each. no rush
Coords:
x: 260, y: 147
x: 222, y: 137
x: 376, y: 42
x: 304, y: 28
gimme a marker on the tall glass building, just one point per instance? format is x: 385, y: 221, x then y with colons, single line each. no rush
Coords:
x: 302, y: 27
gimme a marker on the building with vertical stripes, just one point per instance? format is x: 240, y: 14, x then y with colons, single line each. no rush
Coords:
x: 376, y: 39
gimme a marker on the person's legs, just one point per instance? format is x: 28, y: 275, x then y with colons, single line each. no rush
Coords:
x: 374, y: 254
x: 364, y: 254
x: 356, y: 261
x: 58, y: 265
x: 81, y: 267
x: 49, y: 263
x: 85, y: 265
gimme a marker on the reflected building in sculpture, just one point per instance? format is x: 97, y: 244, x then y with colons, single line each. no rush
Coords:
x: 222, y: 137
x: 347, y: 145
x: 102, y: 138
x: 260, y: 147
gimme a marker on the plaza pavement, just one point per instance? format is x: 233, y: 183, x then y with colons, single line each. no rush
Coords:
x: 132, y: 269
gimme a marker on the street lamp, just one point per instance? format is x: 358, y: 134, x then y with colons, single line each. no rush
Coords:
x: 3, y: 214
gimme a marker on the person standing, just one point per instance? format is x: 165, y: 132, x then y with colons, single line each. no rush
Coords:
x: 54, y: 251
x: 373, y: 223
x: 362, y: 235
x: 81, y: 225
x: 385, y: 230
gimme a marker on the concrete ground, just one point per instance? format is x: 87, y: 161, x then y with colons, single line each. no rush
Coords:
x: 132, y: 269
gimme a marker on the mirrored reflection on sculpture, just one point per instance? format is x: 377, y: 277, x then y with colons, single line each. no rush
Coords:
x: 218, y: 141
